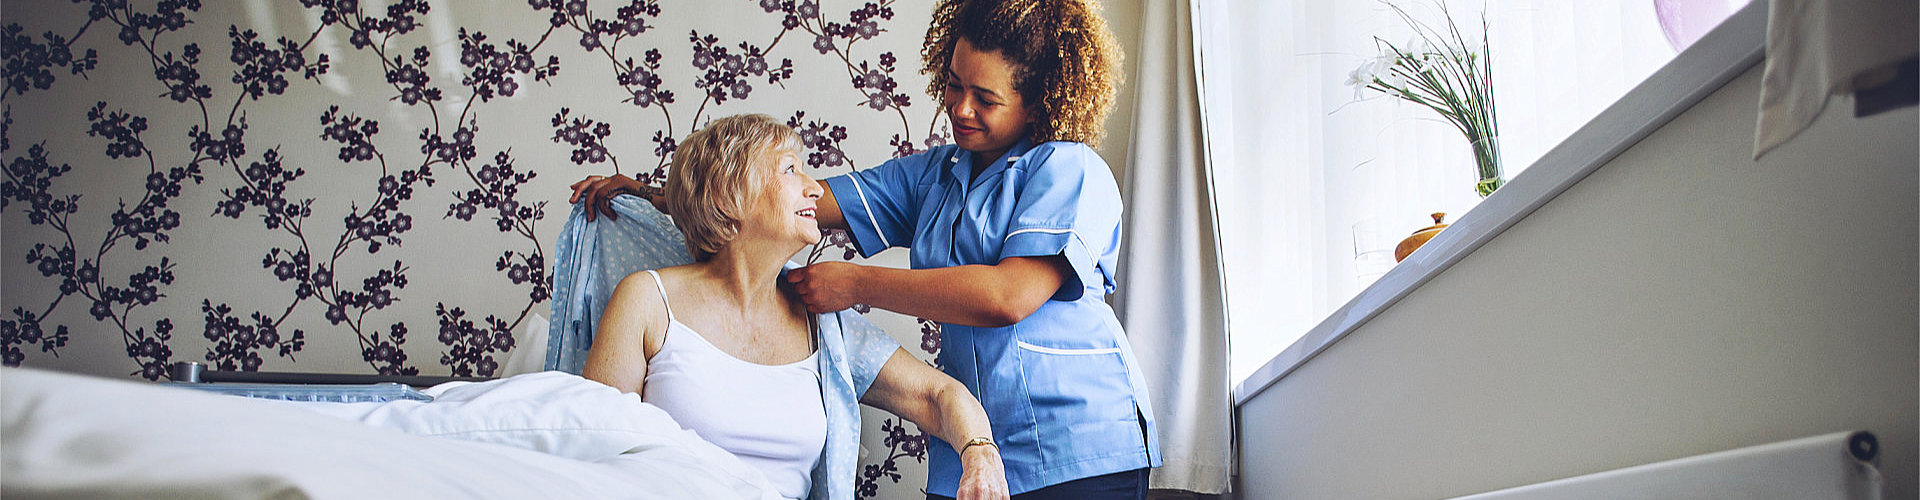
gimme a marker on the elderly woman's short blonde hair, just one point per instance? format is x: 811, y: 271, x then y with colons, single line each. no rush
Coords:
x: 715, y: 174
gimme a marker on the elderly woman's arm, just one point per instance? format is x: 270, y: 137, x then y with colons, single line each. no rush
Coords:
x: 618, y: 357
x: 942, y: 407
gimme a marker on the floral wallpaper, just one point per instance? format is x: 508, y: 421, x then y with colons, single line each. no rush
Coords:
x: 373, y: 186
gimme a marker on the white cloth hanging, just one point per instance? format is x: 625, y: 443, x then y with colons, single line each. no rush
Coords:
x: 1820, y: 48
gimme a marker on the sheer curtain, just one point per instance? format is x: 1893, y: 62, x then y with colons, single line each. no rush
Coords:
x: 1316, y: 185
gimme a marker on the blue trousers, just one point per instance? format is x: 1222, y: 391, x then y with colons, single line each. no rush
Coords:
x: 1123, y: 485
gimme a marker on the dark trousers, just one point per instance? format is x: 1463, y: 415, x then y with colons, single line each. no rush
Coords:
x: 1123, y: 485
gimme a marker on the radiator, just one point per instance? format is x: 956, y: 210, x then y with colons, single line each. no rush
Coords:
x: 1838, y: 466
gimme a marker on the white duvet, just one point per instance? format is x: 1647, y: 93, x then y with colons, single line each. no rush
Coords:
x: 542, y: 435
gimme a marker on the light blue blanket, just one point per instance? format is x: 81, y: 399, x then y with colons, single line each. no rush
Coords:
x: 592, y: 257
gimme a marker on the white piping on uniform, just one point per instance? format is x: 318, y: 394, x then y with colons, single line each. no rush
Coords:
x: 1041, y: 230
x: 1076, y: 235
x: 862, y: 192
x: 1065, y: 352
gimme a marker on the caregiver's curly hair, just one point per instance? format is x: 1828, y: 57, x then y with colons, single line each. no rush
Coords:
x: 1067, y: 61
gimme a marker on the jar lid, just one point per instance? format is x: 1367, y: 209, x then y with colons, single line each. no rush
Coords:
x: 1437, y: 217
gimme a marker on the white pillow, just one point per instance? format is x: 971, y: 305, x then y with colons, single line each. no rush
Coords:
x: 529, y: 348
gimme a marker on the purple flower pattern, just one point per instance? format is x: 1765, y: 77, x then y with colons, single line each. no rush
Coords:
x: 821, y: 141
x: 471, y: 344
x: 331, y: 271
x: 30, y: 64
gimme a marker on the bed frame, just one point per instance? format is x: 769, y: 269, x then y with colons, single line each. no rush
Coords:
x: 195, y: 372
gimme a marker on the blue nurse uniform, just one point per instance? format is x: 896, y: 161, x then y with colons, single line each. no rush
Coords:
x: 1062, y: 388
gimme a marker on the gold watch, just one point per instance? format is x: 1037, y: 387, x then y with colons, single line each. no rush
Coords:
x: 978, y: 441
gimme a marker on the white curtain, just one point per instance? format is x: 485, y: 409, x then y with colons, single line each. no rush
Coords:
x: 1316, y: 185
x: 1170, y: 299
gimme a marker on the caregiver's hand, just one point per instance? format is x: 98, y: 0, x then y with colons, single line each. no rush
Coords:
x: 599, y: 191
x: 982, y: 477
x: 827, y: 286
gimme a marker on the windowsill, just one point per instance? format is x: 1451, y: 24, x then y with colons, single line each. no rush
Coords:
x: 1733, y: 47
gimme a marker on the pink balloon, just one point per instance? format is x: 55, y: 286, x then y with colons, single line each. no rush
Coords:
x: 1685, y: 21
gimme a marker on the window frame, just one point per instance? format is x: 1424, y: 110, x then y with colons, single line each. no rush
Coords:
x: 1730, y: 49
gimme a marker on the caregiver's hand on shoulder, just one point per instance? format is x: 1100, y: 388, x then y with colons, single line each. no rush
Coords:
x: 982, y: 476
x: 599, y: 191
x: 827, y: 286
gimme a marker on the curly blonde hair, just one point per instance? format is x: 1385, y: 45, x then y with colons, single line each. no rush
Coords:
x: 1067, y: 63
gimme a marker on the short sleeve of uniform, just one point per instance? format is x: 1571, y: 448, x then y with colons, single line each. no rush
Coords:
x: 1069, y: 205
x: 868, y: 349
x: 880, y: 204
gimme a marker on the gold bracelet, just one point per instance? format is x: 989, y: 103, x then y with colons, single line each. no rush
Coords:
x: 978, y: 441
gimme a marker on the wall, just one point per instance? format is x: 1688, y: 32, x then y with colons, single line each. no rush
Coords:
x: 1123, y: 17
x: 374, y: 186
x: 1682, y: 299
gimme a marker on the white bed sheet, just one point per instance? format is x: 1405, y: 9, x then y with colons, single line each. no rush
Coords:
x: 69, y: 436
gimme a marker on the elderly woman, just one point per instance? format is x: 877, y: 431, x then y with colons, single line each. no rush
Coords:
x: 729, y: 353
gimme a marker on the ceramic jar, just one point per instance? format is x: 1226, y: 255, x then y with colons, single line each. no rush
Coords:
x: 1407, y: 246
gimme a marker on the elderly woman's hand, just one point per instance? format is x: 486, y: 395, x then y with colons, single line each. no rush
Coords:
x: 599, y: 191
x: 982, y: 476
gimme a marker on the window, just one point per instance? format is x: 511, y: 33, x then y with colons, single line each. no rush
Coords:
x: 1316, y: 186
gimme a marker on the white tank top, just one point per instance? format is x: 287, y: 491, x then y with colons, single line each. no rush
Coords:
x: 771, y: 416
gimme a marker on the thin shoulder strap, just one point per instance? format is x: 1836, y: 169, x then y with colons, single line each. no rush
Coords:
x: 663, y: 293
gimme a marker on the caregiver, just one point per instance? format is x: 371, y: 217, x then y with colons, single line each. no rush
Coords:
x: 1013, y: 235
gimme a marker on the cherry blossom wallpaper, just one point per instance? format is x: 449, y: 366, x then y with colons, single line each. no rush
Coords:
x: 371, y: 186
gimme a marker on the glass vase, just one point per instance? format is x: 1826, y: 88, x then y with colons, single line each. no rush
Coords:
x: 1486, y: 158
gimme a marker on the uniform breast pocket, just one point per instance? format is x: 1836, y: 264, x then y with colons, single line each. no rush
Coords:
x: 1076, y: 389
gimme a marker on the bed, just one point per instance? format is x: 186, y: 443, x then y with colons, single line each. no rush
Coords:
x: 71, y: 436
x: 550, y: 434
